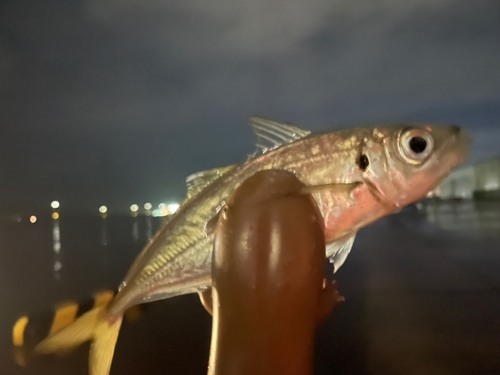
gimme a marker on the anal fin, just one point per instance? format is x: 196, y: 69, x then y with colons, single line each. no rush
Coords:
x: 339, y: 250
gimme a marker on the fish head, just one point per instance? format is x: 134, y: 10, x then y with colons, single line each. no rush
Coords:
x: 405, y: 163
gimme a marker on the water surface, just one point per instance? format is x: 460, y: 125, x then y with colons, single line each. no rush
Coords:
x: 422, y: 290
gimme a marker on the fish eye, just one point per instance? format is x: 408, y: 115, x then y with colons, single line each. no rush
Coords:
x: 418, y: 145
x: 415, y: 145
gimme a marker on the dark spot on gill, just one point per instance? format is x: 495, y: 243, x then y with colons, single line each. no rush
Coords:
x: 363, y: 162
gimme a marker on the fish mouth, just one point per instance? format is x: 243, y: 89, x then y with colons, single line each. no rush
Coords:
x: 463, y: 141
x: 456, y: 149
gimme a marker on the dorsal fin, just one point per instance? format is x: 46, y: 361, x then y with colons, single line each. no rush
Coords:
x: 200, y: 180
x: 272, y: 134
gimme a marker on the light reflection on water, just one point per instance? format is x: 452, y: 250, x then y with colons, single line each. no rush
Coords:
x: 468, y: 216
x: 56, y: 239
x: 441, y: 259
x: 135, y: 230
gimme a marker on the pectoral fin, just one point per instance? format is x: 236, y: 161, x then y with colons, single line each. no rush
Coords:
x: 337, y: 188
x: 339, y: 250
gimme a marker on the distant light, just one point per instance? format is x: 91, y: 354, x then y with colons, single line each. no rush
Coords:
x: 148, y: 206
x: 57, y: 266
x: 492, y: 184
x: 55, y: 215
x: 54, y: 204
x: 33, y: 219
x: 134, y: 208
x: 165, y: 210
x: 172, y: 207
x: 103, y: 209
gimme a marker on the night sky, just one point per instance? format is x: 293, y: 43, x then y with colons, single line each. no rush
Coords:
x: 116, y: 101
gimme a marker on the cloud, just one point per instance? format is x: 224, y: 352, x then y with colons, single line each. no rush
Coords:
x: 142, y: 60
x: 364, y: 59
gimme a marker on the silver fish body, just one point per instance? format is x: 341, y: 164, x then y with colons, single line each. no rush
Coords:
x: 178, y: 259
x: 355, y: 176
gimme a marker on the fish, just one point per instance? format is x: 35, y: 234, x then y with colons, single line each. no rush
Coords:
x: 356, y: 176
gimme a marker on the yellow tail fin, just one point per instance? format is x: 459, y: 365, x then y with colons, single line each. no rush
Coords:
x: 103, y: 347
x: 90, y: 326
